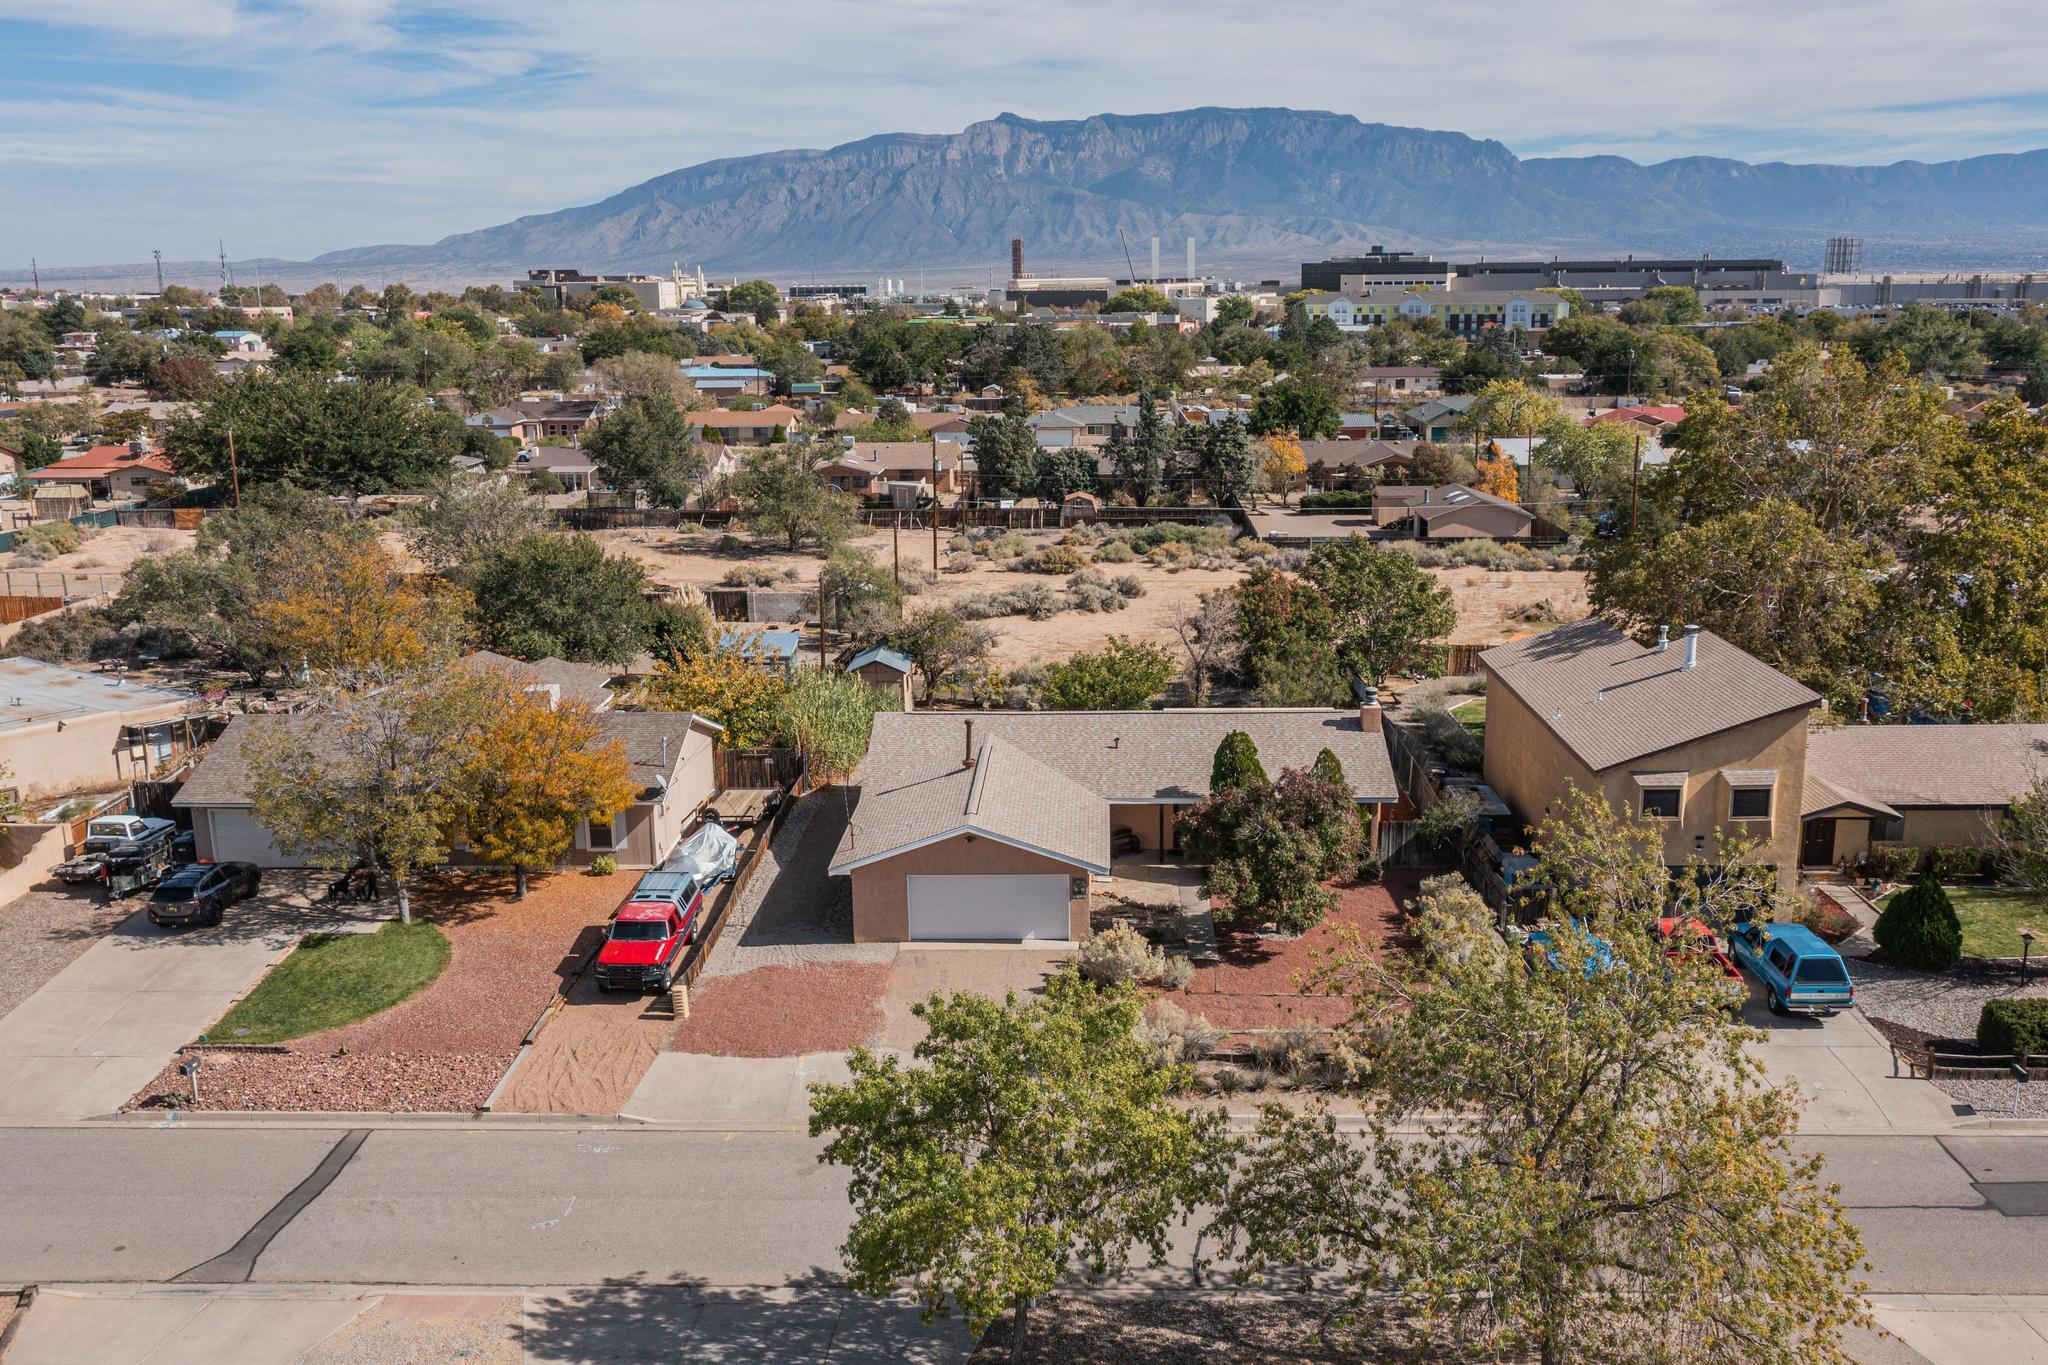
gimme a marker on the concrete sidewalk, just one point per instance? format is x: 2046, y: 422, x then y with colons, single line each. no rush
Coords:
x: 100, y: 1029
x: 691, y: 1090
x: 1968, y: 1329
x: 619, y: 1323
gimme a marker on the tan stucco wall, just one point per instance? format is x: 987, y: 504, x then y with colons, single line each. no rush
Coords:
x: 1153, y: 824
x: 47, y: 762
x: 1531, y: 769
x: 1482, y: 520
x: 27, y: 855
x: 1931, y: 827
x: 881, y: 895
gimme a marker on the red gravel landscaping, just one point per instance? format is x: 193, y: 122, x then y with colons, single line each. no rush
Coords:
x: 446, y: 1048
x: 1263, y: 983
x: 785, y: 1011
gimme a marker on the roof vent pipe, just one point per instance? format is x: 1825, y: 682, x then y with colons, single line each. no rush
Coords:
x: 1692, y: 646
x: 967, y: 756
x: 1663, y: 638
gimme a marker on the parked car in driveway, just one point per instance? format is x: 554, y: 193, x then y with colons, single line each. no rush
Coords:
x: 1690, y: 938
x: 1800, y: 973
x: 199, y: 893
x: 643, y: 945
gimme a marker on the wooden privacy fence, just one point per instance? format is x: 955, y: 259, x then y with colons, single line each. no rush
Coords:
x: 165, y: 518
x: 14, y: 609
x: 762, y: 766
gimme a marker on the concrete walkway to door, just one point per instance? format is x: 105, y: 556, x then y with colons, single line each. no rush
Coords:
x: 102, y: 1028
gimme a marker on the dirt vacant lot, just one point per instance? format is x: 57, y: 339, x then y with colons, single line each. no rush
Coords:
x: 1492, y: 606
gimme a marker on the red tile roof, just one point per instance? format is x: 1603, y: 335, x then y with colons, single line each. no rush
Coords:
x: 1650, y: 416
x: 101, y: 461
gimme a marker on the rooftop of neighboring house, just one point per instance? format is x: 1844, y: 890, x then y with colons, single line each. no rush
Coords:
x: 698, y: 373
x: 1139, y: 756
x: 1610, y: 700
x: 559, y: 458
x: 1887, y: 767
x: 36, y: 693
x: 1427, y: 373
x: 1450, y: 405
x: 923, y: 421
x: 774, y: 415
x: 1090, y: 415
x: 898, y: 454
x: 765, y: 644
x: 1433, y: 500
x: 1331, y: 454
x: 101, y: 461
x: 532, y: 409
x: 1654, y: 416
x: 1004, y: 794
x: 225, y: 778
x: 577, y: 682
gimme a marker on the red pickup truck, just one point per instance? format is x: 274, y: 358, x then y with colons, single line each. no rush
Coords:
x: 643, y: 945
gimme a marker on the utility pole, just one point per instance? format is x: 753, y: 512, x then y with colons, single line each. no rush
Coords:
x: 1635, y: 479
x: 935, y: 503
x: 896, y: 556
x: 234, y: 469
x: 821, y: 623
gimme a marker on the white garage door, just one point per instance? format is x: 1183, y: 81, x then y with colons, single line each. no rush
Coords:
x: 237, y: 838
x: 1000, y: 908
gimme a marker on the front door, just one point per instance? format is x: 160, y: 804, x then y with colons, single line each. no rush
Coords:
x: 1817, y: 848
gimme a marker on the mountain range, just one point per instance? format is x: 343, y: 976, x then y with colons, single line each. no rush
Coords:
x: 1259, y: 189
x: 1266, y: 185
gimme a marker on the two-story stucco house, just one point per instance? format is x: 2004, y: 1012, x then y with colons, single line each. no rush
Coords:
x: 1692, y: 731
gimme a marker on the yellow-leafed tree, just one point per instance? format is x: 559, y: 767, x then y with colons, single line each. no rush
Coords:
x: 536, y: 771
x: 1283, y: 465
x: 723, y: 685
x: 1497, y: 476
x: 347, y: 612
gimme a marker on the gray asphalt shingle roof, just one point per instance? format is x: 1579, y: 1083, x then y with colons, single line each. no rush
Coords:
x: 1007, y: 796
x: 1611, y: 700
x: 1928, y: 765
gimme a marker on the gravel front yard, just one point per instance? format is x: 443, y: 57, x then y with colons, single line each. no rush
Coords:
x: 1910, y: 1008
x: 1261, y: 982
x: 47, y: 930
x: 444, y: 1049
x: 785, y: 1011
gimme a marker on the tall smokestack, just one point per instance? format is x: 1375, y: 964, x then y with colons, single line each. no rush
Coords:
x: 1016, y: 258
x: 1692, y: 646
x: 1155, y: 258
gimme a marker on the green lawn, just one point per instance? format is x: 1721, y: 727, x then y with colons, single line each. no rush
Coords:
x: 1992, y: 919
x: 335, y: 979
x: 1472, y: 715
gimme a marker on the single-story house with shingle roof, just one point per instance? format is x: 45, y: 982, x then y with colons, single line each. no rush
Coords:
x: 1929, y: 786
x: 587, y: 683
x: 988, y: 826
x: 669, y: 754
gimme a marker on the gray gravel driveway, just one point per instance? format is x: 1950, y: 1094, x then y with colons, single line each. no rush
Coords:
x: 794, y: 912
x: 46, y: 930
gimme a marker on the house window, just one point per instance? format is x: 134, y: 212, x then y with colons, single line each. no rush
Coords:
x: 1661, y: 802
x: 602, y: 837
x: 1750, y: 803
x: 1887, y: 829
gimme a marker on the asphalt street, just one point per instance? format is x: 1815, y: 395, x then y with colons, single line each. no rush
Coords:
x: 1956, y: 1214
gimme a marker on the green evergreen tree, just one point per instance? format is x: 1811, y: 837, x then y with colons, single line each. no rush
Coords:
x: 1236, y: 763
x: 1919, y: 929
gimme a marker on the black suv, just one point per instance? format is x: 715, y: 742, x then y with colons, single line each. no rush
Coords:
x: 197, y: 894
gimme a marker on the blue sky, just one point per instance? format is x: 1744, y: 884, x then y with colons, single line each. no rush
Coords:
x: 292, y: 128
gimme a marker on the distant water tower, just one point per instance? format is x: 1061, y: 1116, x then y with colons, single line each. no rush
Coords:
x: 1844, y: 256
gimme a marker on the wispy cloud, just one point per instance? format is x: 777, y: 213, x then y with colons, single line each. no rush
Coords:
x: 296, y: 126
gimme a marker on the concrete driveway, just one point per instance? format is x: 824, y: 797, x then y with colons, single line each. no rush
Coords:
x: 102, y: 1028
x: 1845, y: 1072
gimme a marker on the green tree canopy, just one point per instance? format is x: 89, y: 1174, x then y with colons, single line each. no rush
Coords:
x: 644, y: 445
x: 781, y: 493
x: 1236, y: 763
x: 542, y: 595
x: 1124, y: 675
x: 302, y: 429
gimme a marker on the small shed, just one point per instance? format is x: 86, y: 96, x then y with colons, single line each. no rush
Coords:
x: 1079, y: 505
x: 884, y: 669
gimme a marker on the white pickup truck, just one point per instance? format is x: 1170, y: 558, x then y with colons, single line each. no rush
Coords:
x: 125, y: 851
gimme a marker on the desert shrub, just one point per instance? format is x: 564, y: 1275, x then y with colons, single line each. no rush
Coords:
x: 1449, y: 738
x: 1144, y: 539
x: 1212, y: 561
x: 2013, y: 1028
x: 961, y: 544
x: 1009, y: 545
x: 46, y: 540
x: 1091, y: 591
x: 1056, y: 559
x: 1117, y: 956
x: 743, y: 577
x: 1337, y: 502
x: 1175, y: 1035
x: 603, y: 865
x: 1452, y: 921
x: 729, y: 544
x: 1177, y: 973
x: 1115, y: 552
x: 1172, y: 556
x: 917, y: 581
x: 1956, y: 862
x: 68, y: 637
x: 1034, y: 600
x: 1084, y: 534
x: 1919, y: 930
x: 958, y: 563
x: 1253, y: 551
x: 1891, y: 862
x: 1447, y: 827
